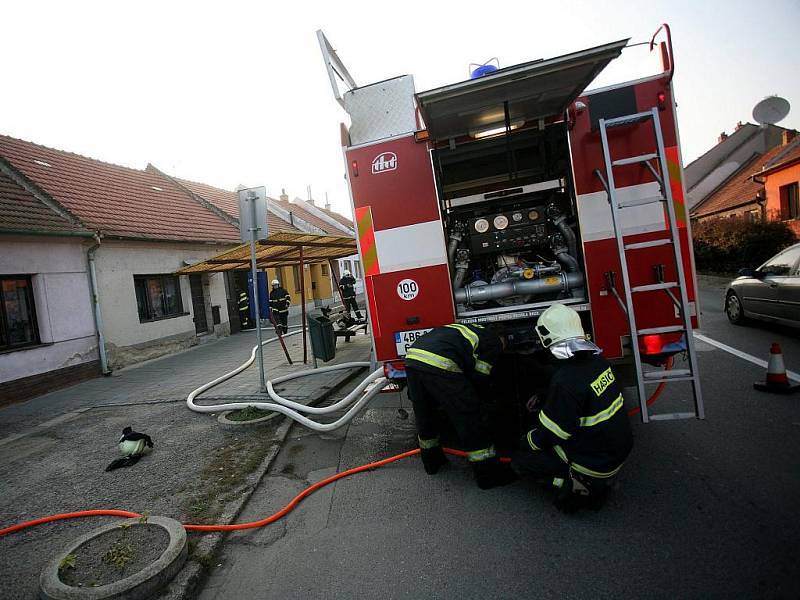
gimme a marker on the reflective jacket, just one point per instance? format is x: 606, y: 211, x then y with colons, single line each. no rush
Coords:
x: 467, y: 349
x: 583, y: 419
x: 279, y: 299
x: 346, y: 284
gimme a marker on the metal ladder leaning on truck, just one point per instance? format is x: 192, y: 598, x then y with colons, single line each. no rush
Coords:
x: 490, y: 199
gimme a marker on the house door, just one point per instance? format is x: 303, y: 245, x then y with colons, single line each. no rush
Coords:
x: 198, y: 303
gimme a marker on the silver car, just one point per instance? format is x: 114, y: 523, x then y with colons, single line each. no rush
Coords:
x: 770, y: 293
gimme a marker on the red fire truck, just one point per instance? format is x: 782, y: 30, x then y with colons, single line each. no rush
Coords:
x: 488, y: 200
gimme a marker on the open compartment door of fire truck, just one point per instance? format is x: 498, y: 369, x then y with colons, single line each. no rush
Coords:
x: 500, y: 150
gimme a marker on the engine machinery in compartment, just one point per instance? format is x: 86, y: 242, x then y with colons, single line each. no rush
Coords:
x: 514, y: 251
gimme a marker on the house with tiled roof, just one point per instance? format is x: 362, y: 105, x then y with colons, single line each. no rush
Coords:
x: 741, y: 194
x: 88, y: 252
x: 781, y: 181
x: 282, y: 215
x: 332, y: 222
x: 707, y: 172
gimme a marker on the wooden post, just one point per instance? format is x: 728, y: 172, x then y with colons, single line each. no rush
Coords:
x: 303, y: 305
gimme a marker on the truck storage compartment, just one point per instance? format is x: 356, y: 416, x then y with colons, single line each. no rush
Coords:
x: 504, y: 179
x: 510, y: 221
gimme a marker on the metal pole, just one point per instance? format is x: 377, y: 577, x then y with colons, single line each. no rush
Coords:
x: 254, y: 270
x: 303, y: 306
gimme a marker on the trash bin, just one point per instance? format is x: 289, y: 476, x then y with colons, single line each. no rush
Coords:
x: 323, y: 338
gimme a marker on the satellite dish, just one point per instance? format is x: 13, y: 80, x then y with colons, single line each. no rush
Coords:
x: 771, y: 110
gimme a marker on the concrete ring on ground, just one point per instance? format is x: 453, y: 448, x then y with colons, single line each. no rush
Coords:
x: 139, y: 586
x: 223, y: 420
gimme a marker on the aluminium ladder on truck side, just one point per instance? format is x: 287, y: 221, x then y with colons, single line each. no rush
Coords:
x: 661, y: 176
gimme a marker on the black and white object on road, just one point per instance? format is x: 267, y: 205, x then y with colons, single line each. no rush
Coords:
x: 132, y: 445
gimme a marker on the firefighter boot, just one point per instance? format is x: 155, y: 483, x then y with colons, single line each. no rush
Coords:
x: 491, y: 473
x: 433, y: 459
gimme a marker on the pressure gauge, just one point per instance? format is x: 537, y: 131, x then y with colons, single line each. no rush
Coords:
x: 481, y: 225
x: 500, y: 222
x: 516, y: 217
x: 533, y: 215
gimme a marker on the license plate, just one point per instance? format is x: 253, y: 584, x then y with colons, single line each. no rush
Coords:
x: 404, y: 339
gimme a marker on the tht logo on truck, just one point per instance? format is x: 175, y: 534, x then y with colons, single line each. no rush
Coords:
x: 384, y: 162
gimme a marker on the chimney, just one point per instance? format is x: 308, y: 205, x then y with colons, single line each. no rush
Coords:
x: 787, y: 136
x: 739, y: 125
x: 284, y: 197
x: 722, y: 137
x: 327, y: 204
x: 310, y: 199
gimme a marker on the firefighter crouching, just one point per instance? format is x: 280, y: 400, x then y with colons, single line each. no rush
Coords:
x: 279, y: 300
x: 448, y: 368
x: 347, y: 287
x: 583, y: 435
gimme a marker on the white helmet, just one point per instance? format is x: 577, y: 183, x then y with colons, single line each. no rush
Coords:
x: 275, y: 283
x: 559, y: 323
x: 346, y: 273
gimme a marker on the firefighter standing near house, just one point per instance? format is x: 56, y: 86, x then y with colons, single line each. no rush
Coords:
x: 244, y: 309
x: 347, y: 287
x: 279, y: 301
x: 583, y: 435
x: 448, y: 369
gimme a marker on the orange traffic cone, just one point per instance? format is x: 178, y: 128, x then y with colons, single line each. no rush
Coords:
x: 777, y: 382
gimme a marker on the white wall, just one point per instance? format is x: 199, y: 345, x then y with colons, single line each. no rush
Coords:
x: 62, y: 301
x: 119, y: 261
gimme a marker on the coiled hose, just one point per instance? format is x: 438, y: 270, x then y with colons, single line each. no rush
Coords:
x: 359, y: 397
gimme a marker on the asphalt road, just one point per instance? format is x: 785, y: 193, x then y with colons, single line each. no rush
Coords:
x: 705, y: 509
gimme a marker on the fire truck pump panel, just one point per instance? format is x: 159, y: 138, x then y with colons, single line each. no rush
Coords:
x: 510, y: 220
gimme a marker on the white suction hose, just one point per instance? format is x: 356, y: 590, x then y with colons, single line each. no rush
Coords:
x: 293, y: 409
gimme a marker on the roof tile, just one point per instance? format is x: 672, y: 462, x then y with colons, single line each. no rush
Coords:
x: 116, y: 200
x: 228, y: 202
x: 739, y: 188
x: 21, y: 211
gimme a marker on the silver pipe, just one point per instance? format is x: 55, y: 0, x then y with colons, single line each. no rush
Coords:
x: 98, y: 317
x: 458, y: 280
x: 520, y: 287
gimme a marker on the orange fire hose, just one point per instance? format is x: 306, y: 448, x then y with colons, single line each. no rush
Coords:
x: 286, y: 509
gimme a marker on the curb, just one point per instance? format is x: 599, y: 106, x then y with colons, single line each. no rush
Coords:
x: 188, y: 581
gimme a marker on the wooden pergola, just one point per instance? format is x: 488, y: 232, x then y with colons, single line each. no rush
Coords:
x: 283, y: 249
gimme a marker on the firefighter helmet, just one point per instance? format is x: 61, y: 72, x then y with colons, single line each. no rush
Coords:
x: 346, y: 273
x: 275, y: 283
x: 559, y: 323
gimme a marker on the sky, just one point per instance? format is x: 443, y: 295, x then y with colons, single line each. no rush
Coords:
x: 231, y: 93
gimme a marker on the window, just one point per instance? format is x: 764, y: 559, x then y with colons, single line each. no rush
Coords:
x: 753, y: 216
x: 17, y: 314
x: 324, y: 270
x: 357, y: 269
x: 783, y: 263
x: 790, y: 202
x: 296, y: 274
x: 158, y: 297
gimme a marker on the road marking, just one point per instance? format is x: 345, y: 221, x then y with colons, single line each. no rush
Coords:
x: 740, y: 354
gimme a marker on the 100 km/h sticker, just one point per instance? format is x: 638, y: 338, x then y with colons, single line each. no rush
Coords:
x: 407, y: 289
